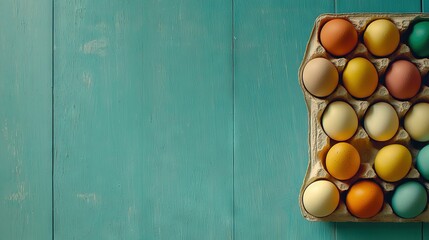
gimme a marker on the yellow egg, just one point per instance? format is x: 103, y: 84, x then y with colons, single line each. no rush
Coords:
x: 321, y: 198
x: 381, y: 37
x: 339, y: 121
x: 342, y: 161
x: 360, y: 77
x: 392, y: 162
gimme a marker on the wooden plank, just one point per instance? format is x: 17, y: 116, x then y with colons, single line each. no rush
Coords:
x: 270, y: 119
x: 143, y: 119
x: 344, y: 6
x: 378, y: 230
x: 25, y: 119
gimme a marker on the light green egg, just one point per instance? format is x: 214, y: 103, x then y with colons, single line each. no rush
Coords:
x: 409, y: 199
x: 422, y: 162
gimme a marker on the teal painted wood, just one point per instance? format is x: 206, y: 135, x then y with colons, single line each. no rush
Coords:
x: 25, y: 119
x: 378, y: 230
x: 344, y: 6
x: 271, y: 119
x: 143, y: 119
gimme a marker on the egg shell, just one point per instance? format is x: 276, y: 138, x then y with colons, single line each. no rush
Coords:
x: 381, y: 121
x: 416, y: 122
x: 360, y: 77
x: 342, y: 161
x: 320, y: 77
x: 422, y: 162
x: 320, y: 143
x: 381, y: 37
x: 338, y: 37
x: 393, y: 162
x: 418, y: 39
x: 339, y: 121
x: 321, y: 198
x: 365, y: 199
x: 403, y: 79
x: 409, y: 199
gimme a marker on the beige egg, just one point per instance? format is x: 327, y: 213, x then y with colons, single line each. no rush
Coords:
x: 320, y: 77
x: 381, y: 121
x: 321, y: 198
x: 416, y: 122
x: 339, y: 121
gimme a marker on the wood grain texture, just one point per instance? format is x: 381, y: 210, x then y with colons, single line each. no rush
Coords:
x: 143, y: 119
x: 378, y: 230
x: 25, y: 119
x: 271, y: 119
x: 344, y: 6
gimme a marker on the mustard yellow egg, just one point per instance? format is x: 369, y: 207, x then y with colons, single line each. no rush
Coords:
x: 360, y: 77
x: 342, y: 161
x: 381, y: 37
x: 392, y: 162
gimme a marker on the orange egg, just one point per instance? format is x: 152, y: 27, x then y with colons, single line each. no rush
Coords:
x: 338, y: 37
x: 364, y: 199
x: 342, y: 161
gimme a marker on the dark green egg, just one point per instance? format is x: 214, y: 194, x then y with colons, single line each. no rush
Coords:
x: 418, y: 39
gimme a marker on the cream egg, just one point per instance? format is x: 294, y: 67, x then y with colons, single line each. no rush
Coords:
x: 416, y: 122
x: 321, y: 198
x: 320, y: 77
x: 339, y: 121
x: 381, y: 121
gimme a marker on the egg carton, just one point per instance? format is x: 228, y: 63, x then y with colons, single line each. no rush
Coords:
x: 320, y: 143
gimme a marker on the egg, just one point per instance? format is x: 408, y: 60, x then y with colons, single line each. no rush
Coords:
x: 403, y: 79
x: 321, y: 198
x: 416, y: 122
x: 409, y: 199
x: 381, y: 121
x: 320, y: 77
x: 338, y: 37
x: 339, y: 121
x: 392, y: 162
x: 418, y: 39
x: 381, y: 37
x: 342, y: 161
x: 422, y: 162
x: 360, y: 77
x: 364, y: 199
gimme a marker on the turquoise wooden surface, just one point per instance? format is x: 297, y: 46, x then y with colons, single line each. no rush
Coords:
x: 25, y: 119
x: 171, y: 120
x: 271, y: 119
x: 143, y: 120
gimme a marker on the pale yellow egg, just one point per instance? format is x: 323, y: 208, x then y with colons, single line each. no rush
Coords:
x: 339, y: 121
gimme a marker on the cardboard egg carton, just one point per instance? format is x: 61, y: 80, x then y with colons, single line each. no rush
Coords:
x: 320, y: 143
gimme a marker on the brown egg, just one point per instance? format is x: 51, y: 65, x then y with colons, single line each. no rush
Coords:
x: 338, y: 37
x: 403, y: 79
x: 320, y: 77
